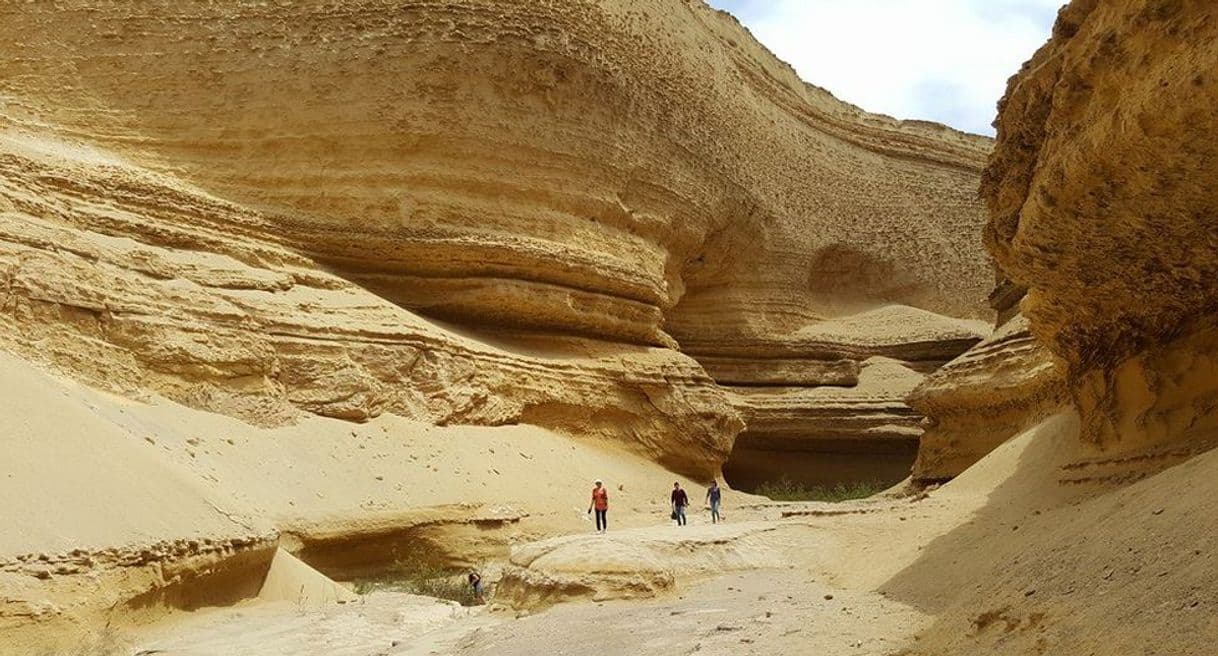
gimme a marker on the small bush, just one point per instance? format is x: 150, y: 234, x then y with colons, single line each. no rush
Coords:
x: 422, y: 579
x: 785, y: 489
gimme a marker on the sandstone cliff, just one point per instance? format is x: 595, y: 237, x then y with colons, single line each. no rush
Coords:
x: 385, y: 275
x: 1103, y: 208
x: 138, y: 283
x: 609, y: 229
x: 281, y: 204
x: 992, y: 392
x: 1103, y: 213
x: 1102, y: 204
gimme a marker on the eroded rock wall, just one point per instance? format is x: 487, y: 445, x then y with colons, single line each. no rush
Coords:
x: 828, y: 435
x: 992, y: 392
x: 844, y: 418
x: 1103, y: 205
x: 581, y: 166
x: 135, y: 282
x: 579, y: 187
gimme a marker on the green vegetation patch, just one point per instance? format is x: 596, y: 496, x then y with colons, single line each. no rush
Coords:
x: 421, y: 578
x: 785, y: 489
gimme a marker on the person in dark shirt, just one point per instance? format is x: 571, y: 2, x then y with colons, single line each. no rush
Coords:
x: 713, y: 495
x: 679, y: 502
x: 475, y: 581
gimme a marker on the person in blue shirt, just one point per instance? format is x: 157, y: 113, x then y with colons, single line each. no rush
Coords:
x: 713, y: 495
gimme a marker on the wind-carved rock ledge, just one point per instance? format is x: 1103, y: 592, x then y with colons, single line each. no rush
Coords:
x: 108, y: 283
x: 1003, y: 385
x: 470, y: 212
x: 841, y: 416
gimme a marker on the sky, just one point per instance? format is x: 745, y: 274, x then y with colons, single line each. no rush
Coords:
x: 939, y: 60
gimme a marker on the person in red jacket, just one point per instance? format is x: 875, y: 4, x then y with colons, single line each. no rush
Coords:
x: 600, y: 503
x: 679, y: 502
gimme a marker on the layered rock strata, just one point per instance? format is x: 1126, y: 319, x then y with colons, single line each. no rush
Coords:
x: 841, y: 416
x: 826, y: 435
x: 581, y: 166
x: 421, y: 213
x: 1102, y: 204
x: 579, y: 187
x: 135, y: 282
x: 1003, y: 385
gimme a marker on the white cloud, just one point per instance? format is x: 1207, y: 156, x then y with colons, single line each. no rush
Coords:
x: 941, y: 60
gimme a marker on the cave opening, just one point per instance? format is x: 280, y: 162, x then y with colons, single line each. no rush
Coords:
x: 758, y: 460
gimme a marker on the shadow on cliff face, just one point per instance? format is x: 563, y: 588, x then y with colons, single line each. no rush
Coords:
x: 1044, y: 567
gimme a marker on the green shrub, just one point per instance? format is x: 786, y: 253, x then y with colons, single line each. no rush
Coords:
x: 785, y: 489
x: 422, y: 579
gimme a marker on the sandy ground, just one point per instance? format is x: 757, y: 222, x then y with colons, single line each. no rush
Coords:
x: 183, y: 473
x: 1004, y: 559
x: 774, y: 578
x: 374, y: 624
x: 191, y: 480
x: 763, y: 612
x: 812, y: 591
x: 802, y: 578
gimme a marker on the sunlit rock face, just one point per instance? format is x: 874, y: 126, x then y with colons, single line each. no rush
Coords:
x: 1103, y: 205
x: 990, y: 393
x: 468, y: 211
x: 138, y: 283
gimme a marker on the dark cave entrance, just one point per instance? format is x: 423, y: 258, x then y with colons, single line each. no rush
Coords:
x: 818, y: 462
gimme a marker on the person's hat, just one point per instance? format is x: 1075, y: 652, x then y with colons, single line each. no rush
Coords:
x: 597, y: 480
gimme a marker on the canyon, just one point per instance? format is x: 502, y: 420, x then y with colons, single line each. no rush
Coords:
x: 295, y: 295
x: 486, y: 199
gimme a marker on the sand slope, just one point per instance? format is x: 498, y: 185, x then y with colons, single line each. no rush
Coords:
x: 124, y: 510
x: 1048, y: 569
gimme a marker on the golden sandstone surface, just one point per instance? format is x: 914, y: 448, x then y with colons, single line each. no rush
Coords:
x: 388, y: 273
x: 470, y: 212
x: 1102, y: 205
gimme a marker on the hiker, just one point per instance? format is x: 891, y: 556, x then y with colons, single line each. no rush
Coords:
x: 475, y: 581
x: 679, y: 501
x: 713, y: 495
x: 600, y: 503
